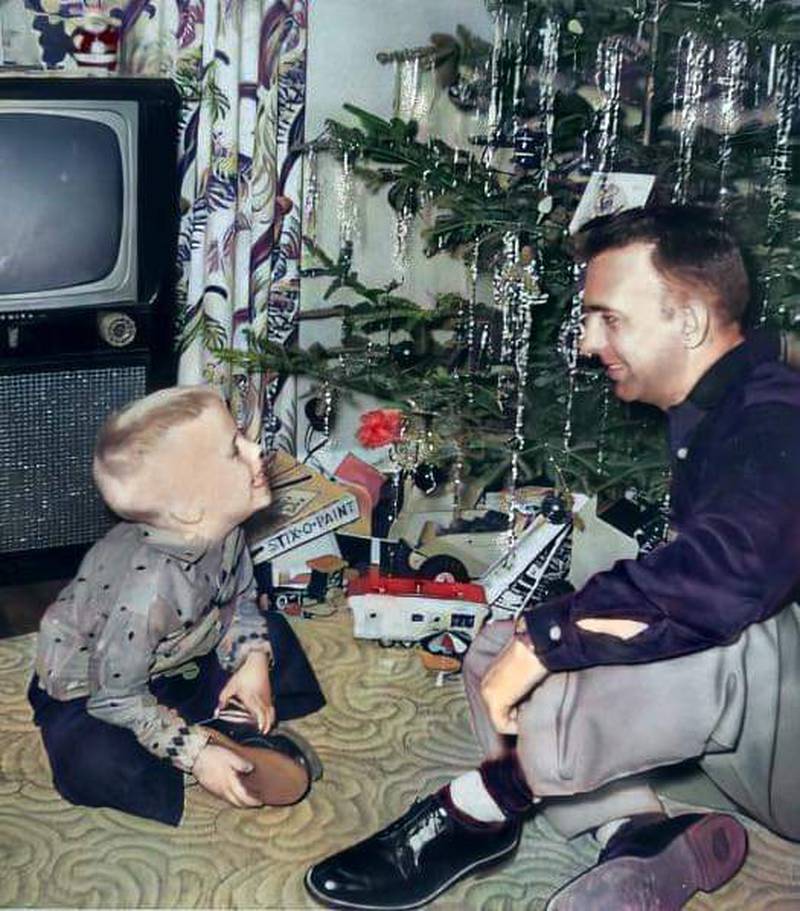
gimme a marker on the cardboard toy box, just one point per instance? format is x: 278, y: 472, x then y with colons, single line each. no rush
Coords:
x: 305, y: 505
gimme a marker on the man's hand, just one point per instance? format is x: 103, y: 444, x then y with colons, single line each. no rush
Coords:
x: 250, y: 685
x: 513, y: 675
x: 223, y: 774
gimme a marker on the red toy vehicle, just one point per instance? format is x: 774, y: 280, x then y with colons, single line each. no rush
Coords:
x: 405, y: 610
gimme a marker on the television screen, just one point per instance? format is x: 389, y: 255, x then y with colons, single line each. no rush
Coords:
x: 71, y: 205
x: 62, y: 214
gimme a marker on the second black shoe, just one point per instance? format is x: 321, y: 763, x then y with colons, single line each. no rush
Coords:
x: 411, y: 861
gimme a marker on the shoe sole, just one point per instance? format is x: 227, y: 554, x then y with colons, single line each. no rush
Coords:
x: 487, y: 862
x: 704, y: 857
x: 315, y: 767
x: 276, y: 780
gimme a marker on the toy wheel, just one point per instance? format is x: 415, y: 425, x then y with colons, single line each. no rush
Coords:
x: 444, y: 568
x: 385, y: 643
x: 407, y: 643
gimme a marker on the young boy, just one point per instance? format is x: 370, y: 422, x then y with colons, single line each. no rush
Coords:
x: 160, y: 629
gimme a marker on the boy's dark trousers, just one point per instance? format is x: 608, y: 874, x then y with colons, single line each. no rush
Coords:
x: 97, y: 764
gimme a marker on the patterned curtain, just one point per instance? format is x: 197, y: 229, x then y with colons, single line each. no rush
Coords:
x: 240, y: 66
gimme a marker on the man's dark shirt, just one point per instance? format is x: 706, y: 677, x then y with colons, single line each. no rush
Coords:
x: 735, y: 502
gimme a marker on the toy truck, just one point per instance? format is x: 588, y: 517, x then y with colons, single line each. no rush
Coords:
x: 404, y: 610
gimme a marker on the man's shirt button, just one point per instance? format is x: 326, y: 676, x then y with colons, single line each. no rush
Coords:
x: 555, y: 633
x: 682, y: 453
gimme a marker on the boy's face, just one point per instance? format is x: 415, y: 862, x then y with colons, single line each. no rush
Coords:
x: 212, y: 477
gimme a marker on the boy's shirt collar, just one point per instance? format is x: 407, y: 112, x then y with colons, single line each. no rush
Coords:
x: 171, y: 544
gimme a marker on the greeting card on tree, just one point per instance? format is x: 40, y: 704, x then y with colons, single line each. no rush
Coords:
x: 609, y: 193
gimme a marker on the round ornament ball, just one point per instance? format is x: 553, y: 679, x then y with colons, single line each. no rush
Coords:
x: 316, y: 414
x: 428, y: 478
x: 555, y: 509
x: 403, y: 353
x: 528, y: 148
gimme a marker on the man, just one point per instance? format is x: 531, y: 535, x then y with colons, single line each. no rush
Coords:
x: 692, y: 651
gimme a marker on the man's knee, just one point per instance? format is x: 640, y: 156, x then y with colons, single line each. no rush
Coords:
x: 486, y: 646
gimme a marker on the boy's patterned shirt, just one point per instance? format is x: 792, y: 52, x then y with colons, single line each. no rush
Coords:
x: 144, y: 603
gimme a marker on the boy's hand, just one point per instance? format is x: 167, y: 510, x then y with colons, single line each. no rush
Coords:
x: 250, y: 685
x: 221, y: 773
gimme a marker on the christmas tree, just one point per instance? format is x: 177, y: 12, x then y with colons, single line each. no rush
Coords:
x: 702, y: 96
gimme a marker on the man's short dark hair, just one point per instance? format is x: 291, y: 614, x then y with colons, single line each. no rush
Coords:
x: 691, y: 247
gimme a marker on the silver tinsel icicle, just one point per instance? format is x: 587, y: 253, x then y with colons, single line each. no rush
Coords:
x: 496, y: 112
x: 551, y: 34
x: 311, y: 201
x: 347, y: 202
x: 569, y: 346
x: 406, y: 87
x: 694, y: 61
x: 521, y: 354
x: 403, y: 223
x: 785, y: 82
x: 504, y: 295
x: 787, y: 104
x: 609, y: 69
x: 516, y: 291
x: 734, y: 84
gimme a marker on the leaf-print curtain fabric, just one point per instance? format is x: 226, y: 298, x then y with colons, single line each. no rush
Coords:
x: 240, y: 66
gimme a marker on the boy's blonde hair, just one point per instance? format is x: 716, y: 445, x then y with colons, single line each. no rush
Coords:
x: 128, y: 436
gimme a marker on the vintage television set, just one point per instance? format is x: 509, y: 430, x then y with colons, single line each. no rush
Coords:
x: 88, y: 227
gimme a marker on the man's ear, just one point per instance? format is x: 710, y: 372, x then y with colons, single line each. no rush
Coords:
x: 696, y: 327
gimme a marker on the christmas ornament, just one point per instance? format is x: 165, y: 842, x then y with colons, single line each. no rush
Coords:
x: 786, y: 82
x: 415, y: 85
x: 401, y: 248
x: 609, y: 69
x: 403, y: 353
x: 694, y: 61
x: 496, y: 111
x: 551, y: 34
x: 347, y: 202
x: 569, y: 341
x: 319, y: 412
x: 528, y: 148
x: 734, y: 83
x: 406, y: 87
x: 428, y: 478
x: 311, y: 201
x: 554, y: 508
x: 464, y: 94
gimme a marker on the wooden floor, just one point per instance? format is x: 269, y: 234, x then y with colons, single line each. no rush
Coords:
x: 387, y: 734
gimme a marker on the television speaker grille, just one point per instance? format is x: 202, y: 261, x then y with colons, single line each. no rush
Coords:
x: 48, y: 425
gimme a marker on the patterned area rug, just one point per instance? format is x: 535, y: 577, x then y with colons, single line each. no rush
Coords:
x: 387, y: 734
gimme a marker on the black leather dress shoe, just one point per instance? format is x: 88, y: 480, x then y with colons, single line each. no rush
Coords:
x: 654, y: 861
x: 411, y: 861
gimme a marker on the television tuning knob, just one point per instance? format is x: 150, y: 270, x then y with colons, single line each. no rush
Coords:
x: 116, y: 329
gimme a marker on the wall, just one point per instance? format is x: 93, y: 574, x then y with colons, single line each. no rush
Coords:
x: 18, y: 41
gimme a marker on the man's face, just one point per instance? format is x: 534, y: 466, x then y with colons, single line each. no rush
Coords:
x: 634, y: 323
x: 211, y: 471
